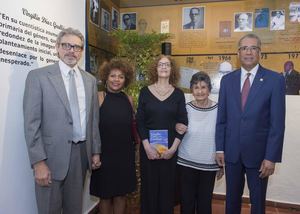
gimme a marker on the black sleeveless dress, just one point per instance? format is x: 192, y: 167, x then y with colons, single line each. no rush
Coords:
x: 116, y: 176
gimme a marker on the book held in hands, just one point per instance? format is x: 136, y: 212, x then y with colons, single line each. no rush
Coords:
x: 159, y: 140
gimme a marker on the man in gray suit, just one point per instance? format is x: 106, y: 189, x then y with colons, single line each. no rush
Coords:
x: 61, y: 127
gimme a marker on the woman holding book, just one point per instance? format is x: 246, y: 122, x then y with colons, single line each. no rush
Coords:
x: 161, y: 106
x: 196, y: 153
x: 116, y: 176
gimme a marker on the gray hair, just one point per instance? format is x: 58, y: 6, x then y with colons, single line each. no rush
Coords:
x: 251, y: 36
x: 199, y: 77
x: 69, y: 31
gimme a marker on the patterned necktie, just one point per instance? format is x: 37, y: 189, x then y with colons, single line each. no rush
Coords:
x: 245, y: 90
x: 74, y: 105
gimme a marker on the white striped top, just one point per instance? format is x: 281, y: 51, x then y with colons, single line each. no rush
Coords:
x: 197, y: 149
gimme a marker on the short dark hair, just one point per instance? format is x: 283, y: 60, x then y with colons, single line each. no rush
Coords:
x: 251, y: 36
x: 195, y: 8
x: 119, y: 64
x: 126, y: 14
x: 199, y: 77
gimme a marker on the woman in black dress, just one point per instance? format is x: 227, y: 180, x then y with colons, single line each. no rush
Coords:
x: 116, y: 176
x: 161, y: 106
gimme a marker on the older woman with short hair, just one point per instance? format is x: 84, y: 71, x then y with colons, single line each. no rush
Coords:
x: 196, y: 153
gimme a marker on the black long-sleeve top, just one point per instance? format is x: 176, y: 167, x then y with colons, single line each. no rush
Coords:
x: 153, y: 114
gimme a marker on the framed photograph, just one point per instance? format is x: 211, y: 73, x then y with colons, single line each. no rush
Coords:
x: 277, y: 20
x: 243, y: 22
x: 262, y: 18
x: 225, y: 29
x: 95, y: 12
x: 105, y: 20
x: 128, y: 21
x: 294, y: 15
x: 115, y: 17
x: 193, y: 18
x: 165, y: 26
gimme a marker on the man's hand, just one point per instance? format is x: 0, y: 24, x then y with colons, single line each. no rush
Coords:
x: 220, y: 159
x: 180, y: 128
x: 220, y: 173
x: 96, y: 163
x: 267, y: 168
x: 42, y: 174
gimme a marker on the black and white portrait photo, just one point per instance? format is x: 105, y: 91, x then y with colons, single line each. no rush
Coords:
x: 193, y: 18
x: 277, y: 20
x: 95, y: 12
x: 294, y: 15
x: 243, y: 22
x: 128, y: 21
x: 105, y: 20
x: 115, y: 15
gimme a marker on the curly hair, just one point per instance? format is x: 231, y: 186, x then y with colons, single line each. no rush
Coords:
x: 119, y: 64
x: 174, y: 76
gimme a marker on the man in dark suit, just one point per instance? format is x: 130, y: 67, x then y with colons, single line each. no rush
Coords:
x: 250, y: 127
x: 292, y: 79
x: 196, y: 16
x: 61, y: 127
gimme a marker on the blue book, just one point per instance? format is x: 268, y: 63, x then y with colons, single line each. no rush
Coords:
x: 159, y: 140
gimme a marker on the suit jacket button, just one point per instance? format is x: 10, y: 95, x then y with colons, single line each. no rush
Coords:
x: 69, y: 141
x: 71, y: 123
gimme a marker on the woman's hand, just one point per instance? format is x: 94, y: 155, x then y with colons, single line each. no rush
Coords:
x: 96, y: 163
x: 151, y: 152
x: 168, y: 154
x: 180, y: 128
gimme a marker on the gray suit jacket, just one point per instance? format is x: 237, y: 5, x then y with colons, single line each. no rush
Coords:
x: 48, y: 119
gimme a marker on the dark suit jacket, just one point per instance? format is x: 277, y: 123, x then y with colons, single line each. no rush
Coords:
x: 292, y: 82
x: 257, y: 132
x: 131, y: 27
x: 191, y: 24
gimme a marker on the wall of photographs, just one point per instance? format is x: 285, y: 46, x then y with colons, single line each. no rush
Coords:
x: 205, y: 35
x: 103, y: 17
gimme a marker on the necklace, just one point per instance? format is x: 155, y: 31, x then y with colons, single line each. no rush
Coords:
x: 160, y: 92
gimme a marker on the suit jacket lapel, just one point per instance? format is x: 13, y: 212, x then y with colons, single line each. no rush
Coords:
x: 257, y: 83
x: 58, y: 83
x: 88, y: 92
x: 237, y: 87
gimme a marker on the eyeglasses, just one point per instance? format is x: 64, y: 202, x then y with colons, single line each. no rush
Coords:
x: 166, y: 64
x: 249, y: 48
x: 68, y: 46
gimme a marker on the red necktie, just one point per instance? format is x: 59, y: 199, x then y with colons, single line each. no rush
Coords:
x: 245, y: 90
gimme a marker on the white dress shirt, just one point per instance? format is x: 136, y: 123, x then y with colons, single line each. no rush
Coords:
x: 80, y: 92
x: 252, y: 72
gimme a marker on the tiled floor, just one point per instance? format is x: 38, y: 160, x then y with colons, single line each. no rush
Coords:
x: 219, y: 205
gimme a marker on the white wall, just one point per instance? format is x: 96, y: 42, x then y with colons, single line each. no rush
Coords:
x: 284, y: 185
x: 16, y: 179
